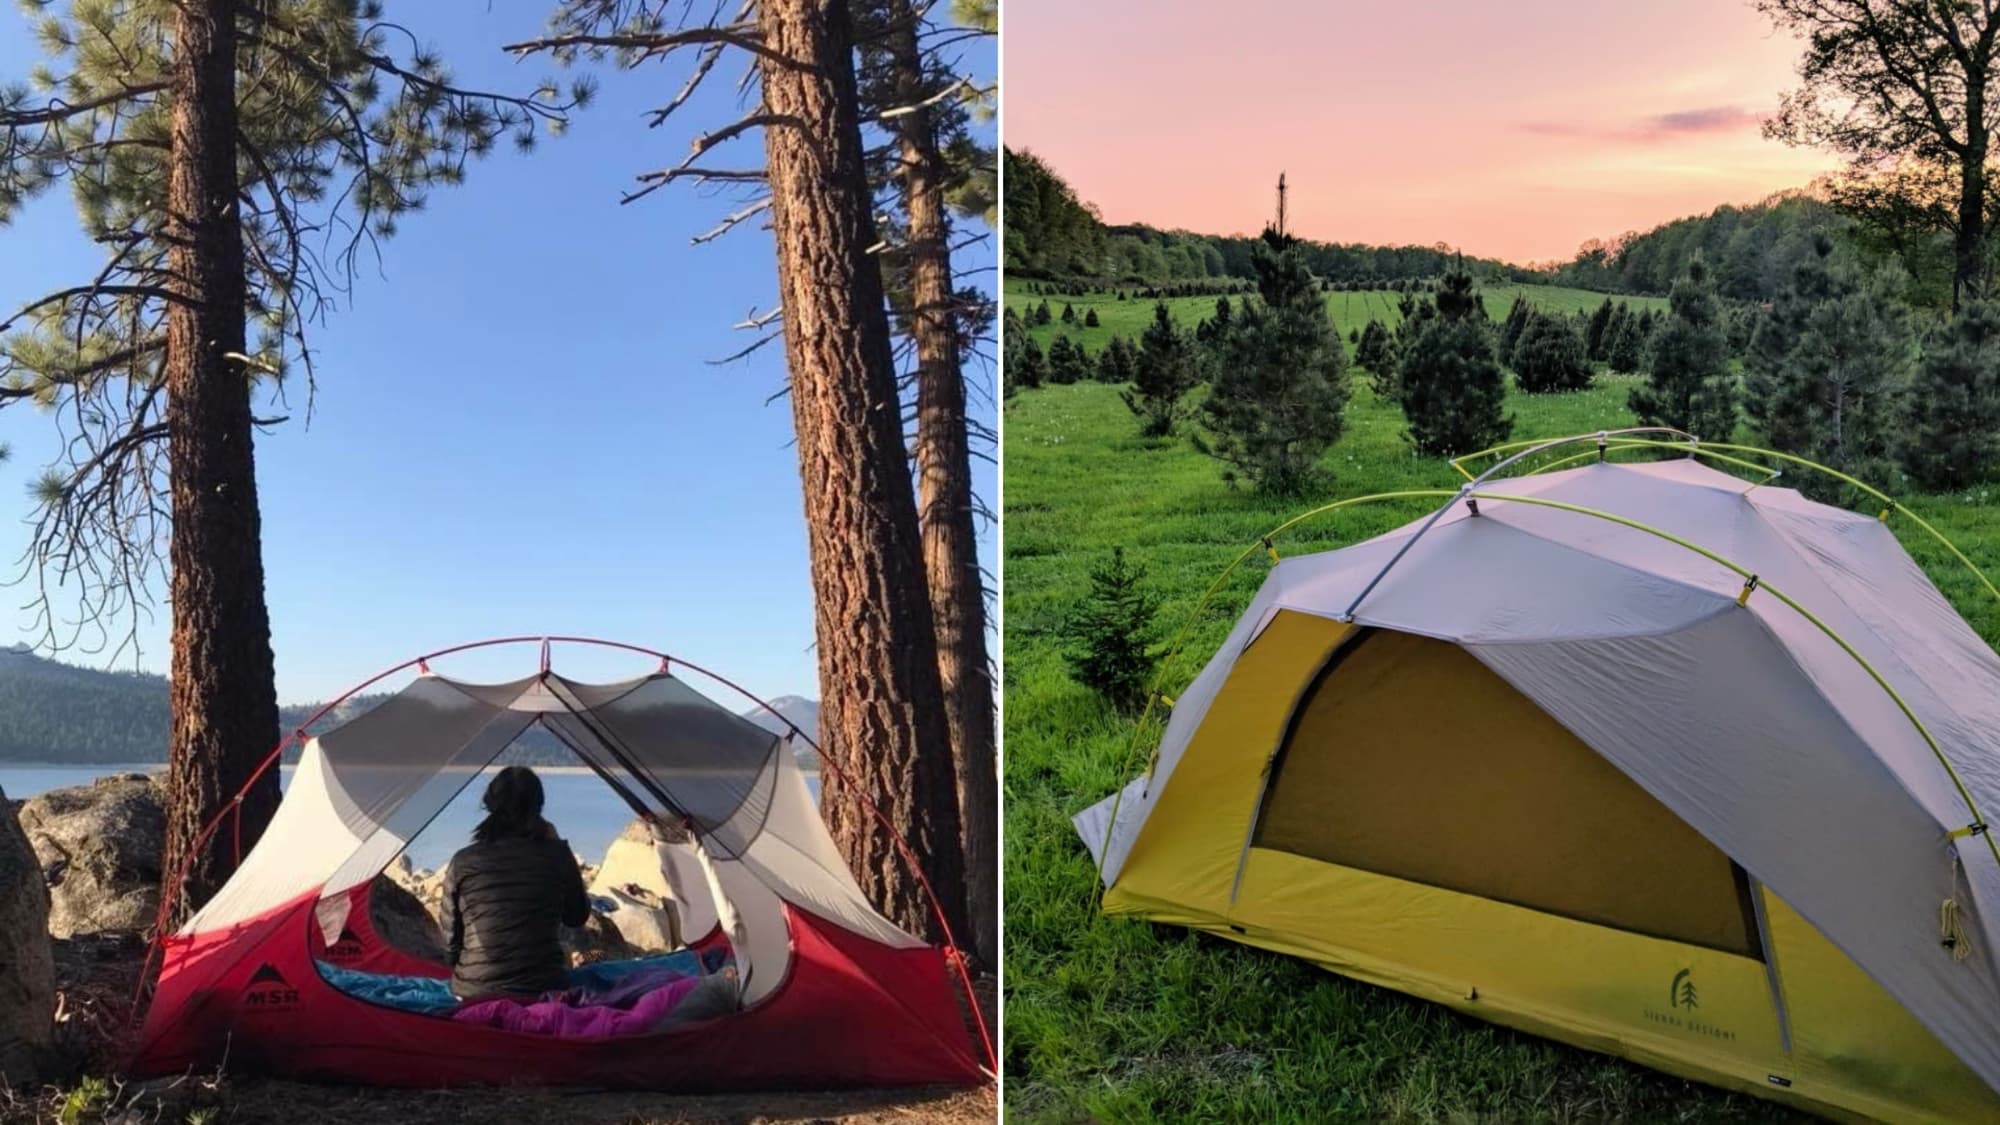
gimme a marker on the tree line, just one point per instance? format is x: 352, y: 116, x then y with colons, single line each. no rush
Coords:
x: 1052, y: 235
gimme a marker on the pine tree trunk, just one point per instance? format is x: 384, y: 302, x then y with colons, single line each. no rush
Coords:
x: 1969, y: 246
x: 224, y: 696
x: 882, y: 703
x: 944, y: 491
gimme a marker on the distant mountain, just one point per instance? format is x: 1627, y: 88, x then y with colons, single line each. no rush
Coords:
x: 800, y: 712
x: 52, y: 712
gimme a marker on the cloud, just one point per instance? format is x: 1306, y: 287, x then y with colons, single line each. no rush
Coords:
x: 1657, y: 129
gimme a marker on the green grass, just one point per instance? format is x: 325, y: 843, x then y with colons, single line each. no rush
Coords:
x: 1349, y: 310
x: 1117, y: 1020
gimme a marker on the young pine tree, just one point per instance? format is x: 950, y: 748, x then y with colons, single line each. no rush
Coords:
x: 1279, y: 396
x: 1952, y: 436
x: 1117, y: 362
x: 1090, y: 318
x: 1832, y: 373
x: 1069, y: 313
x: 1628, y: 348
x: 1013, y: 339
x: 1596, y: 343
x: 1689, y: 386
x: 1518, y: 316
x: 1042, y: 315
x: 1032, y: 369
x: 1165, y: 368
x: 1549, y: 357
x: 1450, y: 383
x: 1375, y: 353
x: 1067, y: 362
x: 1110, y: 634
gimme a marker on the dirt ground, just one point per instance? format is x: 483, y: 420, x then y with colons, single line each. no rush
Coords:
x: 260, y: 1101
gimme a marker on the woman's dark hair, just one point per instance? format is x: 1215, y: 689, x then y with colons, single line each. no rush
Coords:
x: 513, y: 806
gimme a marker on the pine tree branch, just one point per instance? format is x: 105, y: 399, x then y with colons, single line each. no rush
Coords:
x: 745, y: 352
x: 704, y: 144
x: 60, y: 296
x: 742, y: 36
x: 961, y: 87
x: 59, y: 110
x: 702, y: 66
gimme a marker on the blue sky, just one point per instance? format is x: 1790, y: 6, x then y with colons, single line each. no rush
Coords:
x: 517, y: 429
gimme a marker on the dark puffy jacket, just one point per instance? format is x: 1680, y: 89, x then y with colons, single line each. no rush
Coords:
x: 504, y: 901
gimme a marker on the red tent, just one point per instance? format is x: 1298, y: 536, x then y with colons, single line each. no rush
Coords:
x: 830, y: 992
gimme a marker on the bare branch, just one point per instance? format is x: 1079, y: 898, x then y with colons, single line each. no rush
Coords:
x: 731, y: 220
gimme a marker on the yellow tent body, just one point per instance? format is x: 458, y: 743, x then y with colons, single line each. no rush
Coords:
x: 1398, y: 805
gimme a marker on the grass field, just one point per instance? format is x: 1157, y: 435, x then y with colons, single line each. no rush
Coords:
x: 1349, y: 310
x: 1116, y: 1020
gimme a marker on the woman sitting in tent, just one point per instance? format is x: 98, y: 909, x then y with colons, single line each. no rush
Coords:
x: 507, y: 896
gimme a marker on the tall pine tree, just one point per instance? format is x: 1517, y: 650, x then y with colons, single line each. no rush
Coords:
x: 937, y: 170
x: 884, y: 711
x: 1279, y: 395
x: 234, y: 161
x: 1689, y: 386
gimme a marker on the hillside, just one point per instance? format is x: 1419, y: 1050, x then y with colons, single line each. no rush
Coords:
x: 1051, y: 232
x: 52, y: 712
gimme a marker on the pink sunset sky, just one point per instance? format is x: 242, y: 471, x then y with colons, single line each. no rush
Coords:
x: 1511, y: 130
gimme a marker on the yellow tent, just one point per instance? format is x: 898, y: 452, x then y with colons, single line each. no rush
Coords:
x: 1571, y: 775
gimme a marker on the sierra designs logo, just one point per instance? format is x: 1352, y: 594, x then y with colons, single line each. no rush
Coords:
x: 1682, y: 1002
x: 1681, y: 993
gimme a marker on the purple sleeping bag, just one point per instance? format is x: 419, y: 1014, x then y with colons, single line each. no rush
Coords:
x: 562, y: 1016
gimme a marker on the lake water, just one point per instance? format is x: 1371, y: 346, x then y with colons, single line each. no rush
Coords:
x: 581, y: 807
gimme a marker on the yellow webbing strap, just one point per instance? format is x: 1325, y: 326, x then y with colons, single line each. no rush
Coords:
x: 1973, y: 829
x: 1273, y: 551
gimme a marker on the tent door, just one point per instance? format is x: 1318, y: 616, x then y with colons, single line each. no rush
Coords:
x: 1271, y: 760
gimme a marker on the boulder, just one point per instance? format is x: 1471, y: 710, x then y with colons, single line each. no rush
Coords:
x: 427, y: 887
x: 642, y: 918
x: 27, y: 965
x: 634, y: 894
x: 403, y: 920
x: 596, y: 940
x: 99, y: 846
